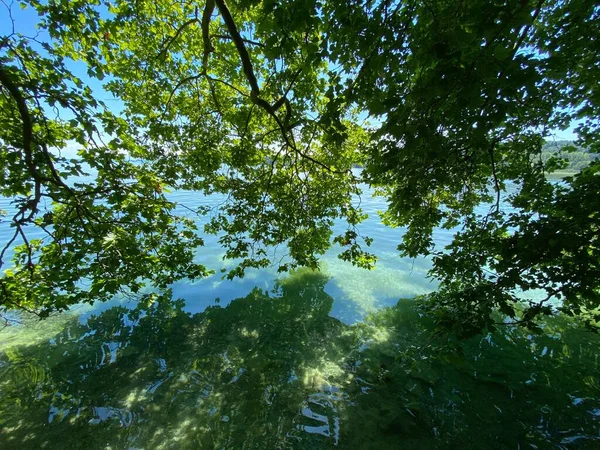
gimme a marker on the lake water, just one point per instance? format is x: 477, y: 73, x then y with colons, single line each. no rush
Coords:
x: 304, y: 360
x: 356, y: 291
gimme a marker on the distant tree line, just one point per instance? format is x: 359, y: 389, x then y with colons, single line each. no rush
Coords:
x: 575, y: 157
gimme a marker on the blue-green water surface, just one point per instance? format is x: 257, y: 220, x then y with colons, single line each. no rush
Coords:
x: 303, y: 361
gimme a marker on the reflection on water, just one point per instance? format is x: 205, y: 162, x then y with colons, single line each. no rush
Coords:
x: 274, y: 370
x: 356, y: 291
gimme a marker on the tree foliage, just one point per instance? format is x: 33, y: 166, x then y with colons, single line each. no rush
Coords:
x: 271, y: 104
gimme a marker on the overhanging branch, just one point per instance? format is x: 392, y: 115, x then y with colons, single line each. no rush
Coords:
x: 255, y: 90
x: 165, y: 48
x: 208, y: 48
x: 246, y: 41
x: 13, y: 90
x: 240, y: 46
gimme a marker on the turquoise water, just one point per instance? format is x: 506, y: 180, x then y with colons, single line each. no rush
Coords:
x: 306, y: 360
x: 356, y: 291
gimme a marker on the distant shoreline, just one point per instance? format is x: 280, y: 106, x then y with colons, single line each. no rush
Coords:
x: 562, y: 174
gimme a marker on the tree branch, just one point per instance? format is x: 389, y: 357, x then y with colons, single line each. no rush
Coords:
x: 255, y: 90
x: 239, y: 44
x: 163, y: 52
x: 208, y: 48
x: 495, y: 175
x: 5, y: 80
x: 247, y: 41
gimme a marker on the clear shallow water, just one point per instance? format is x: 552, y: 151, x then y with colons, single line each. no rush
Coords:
x: 309, y: 360
x: 356, y: 291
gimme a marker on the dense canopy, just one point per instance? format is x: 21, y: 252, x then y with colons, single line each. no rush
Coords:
x: 271, y: 104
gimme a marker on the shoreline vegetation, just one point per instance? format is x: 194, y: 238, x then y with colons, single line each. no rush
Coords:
x: 572, y: 158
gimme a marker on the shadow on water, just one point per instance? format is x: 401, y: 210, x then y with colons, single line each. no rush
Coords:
x: 274, y: 370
